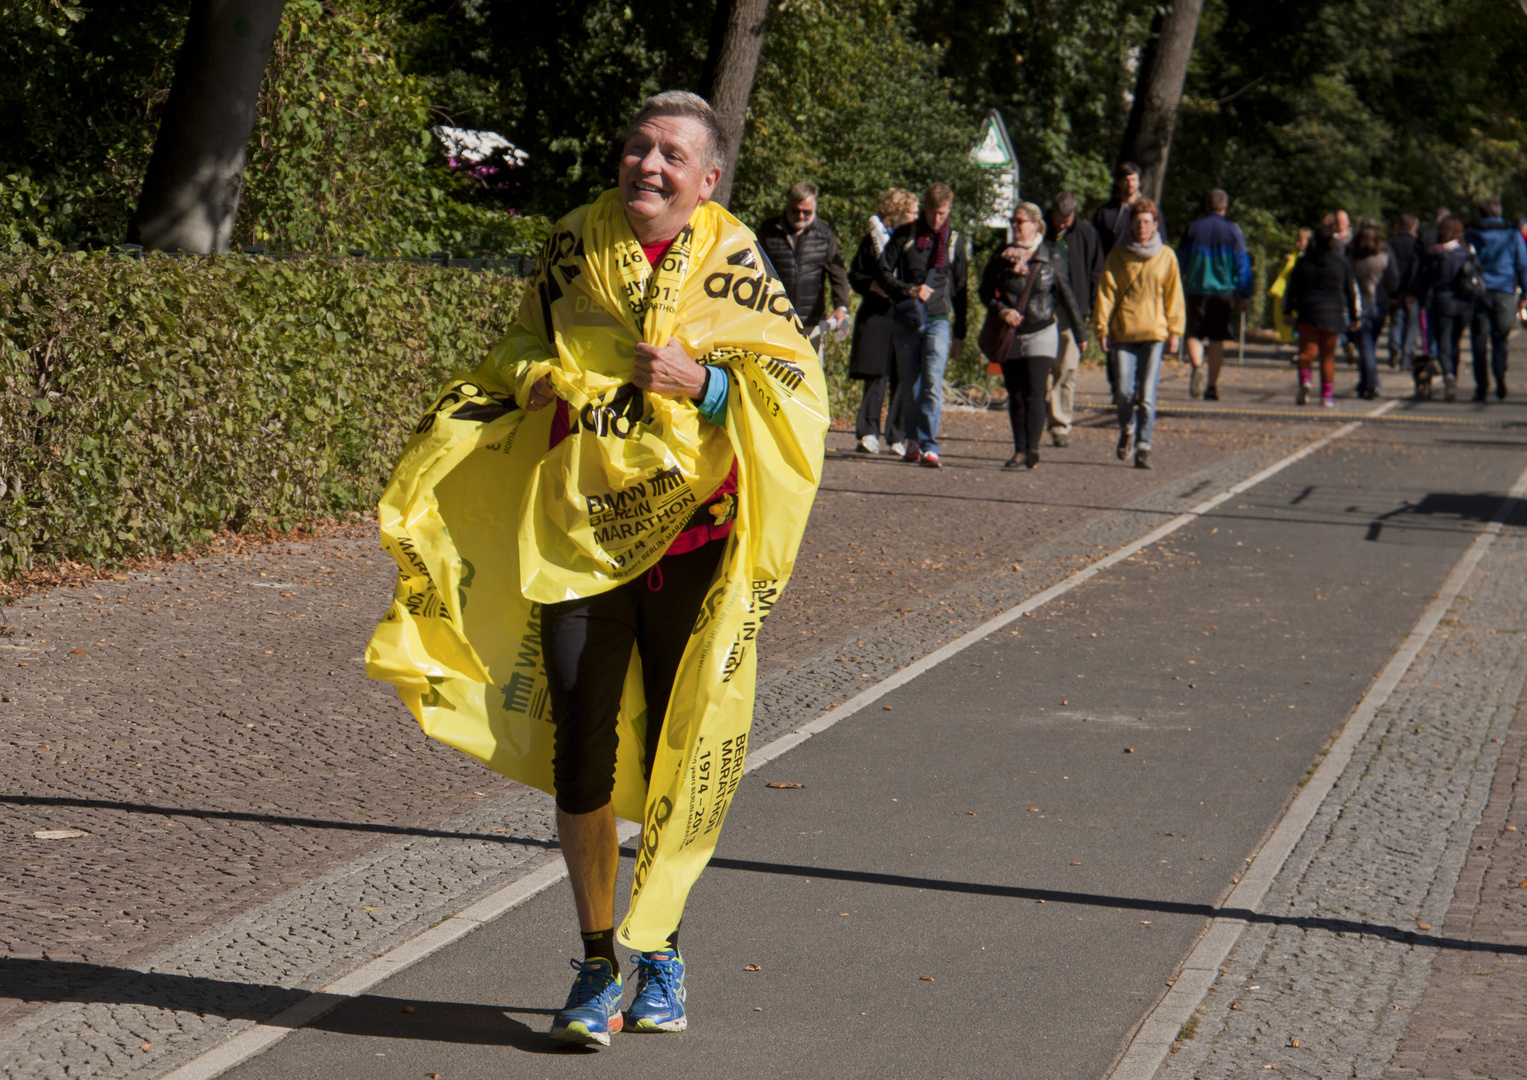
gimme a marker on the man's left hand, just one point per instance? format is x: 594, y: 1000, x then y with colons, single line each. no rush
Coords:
x: 668, y: 370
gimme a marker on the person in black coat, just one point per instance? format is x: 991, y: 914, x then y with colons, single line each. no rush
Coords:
x: 1404, y: 319
x: 1023, y: 287
x: 1079, y: 253
x: 1322, y: 297
x: 806, y: 257
x: 1440, y: 291
x: 872, y: 358
x: 1112, y: 219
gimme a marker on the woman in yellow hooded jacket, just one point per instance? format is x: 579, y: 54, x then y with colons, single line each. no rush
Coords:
x: 1139, y: 312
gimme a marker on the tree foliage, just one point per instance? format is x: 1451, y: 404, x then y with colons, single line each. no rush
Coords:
x: 848, y: 99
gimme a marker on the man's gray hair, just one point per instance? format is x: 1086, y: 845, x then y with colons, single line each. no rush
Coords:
x: 693, y: 106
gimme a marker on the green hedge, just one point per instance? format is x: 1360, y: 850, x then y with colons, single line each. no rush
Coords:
x: 147, y: 404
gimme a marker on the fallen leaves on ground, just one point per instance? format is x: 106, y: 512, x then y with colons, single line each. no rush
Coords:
x: 783, y: 784
x: 752, y: 967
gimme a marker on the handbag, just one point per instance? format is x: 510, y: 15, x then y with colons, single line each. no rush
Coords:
x: 996, y: 339
x: 910, y: 314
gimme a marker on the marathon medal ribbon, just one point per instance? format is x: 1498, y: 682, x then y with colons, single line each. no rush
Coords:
x: 487, y: 524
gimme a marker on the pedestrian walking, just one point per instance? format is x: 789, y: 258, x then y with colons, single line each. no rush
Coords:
x: 597, y: 497
x: 805, y: 254
x: 1322, y: 297
x: 1216, y: 277
x: 1377, y: 279
x: 872, y: 359
x: 1024, y: 291
x: 1404, y: 312
x: 1442, y: 286
x: 1140, y: 310
x: 1502, y: 256
x: 1078, y: 253
x: 923, y: 270
x: 1279, y: 288
x: 1111, y: 220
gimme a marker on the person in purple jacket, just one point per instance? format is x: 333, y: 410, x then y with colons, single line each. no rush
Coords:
x: 1216, y: 278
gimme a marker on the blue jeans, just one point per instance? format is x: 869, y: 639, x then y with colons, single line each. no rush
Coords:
x: 1368, y: 332
x: 1446, y: 321
x: 1493, y: 315
x: 921, y: 356
x: 1139, y: 367
x: 1403, y: 327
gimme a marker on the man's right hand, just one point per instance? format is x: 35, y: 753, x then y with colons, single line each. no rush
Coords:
x: 540, y: 395
x: 923, y: 292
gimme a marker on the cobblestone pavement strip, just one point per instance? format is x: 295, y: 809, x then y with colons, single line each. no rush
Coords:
x: 243, y: 788
x: 1325, y: 984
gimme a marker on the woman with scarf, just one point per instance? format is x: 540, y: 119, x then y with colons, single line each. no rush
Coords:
x: 872, y: 359
x: 1019, y: 287
x: 1140, y: 311
x: 1440, y: 289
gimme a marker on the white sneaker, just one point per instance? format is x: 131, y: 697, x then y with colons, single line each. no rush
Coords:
x: 869, y: 445
x: 899, y: 449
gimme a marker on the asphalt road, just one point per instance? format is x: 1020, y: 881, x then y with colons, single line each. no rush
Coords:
x: 1039, y: 825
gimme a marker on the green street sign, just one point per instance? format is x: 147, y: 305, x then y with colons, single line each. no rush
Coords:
x: 995, y: 152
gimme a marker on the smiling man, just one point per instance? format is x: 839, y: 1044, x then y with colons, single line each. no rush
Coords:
x: 624, y: 484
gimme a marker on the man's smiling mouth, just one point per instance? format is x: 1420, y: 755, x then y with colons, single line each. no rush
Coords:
x: 641, y: 185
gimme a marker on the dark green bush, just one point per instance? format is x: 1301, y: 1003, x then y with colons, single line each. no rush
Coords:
x: 146, y: 405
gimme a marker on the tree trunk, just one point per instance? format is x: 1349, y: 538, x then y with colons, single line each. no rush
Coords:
x: 191, y: 189
x: 1158, y: 92
x: 736, y: 40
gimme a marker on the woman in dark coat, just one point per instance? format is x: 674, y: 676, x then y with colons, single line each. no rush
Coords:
x: 871, y: 359
x: 1028, y: 307
x: 1322, y: 298
x: 1438, y: 288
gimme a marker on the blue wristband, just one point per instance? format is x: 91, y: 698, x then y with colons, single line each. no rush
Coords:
x: 712, y: 404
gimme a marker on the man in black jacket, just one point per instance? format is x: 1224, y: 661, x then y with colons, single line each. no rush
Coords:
x: 1112, y: 219
x: 1404, y: 318
x: 922, y: 270
x: 806, y: 256
x: 1080, y: 255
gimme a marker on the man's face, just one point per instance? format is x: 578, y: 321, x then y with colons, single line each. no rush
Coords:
x: 1143, y: 226
x: 1343, y: 223
x: 935, y: 216
x: 801, y: 214
x: 1131, y: 186
x: 664, y: 176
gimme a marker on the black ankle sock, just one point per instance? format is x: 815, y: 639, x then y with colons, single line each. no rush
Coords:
x: 600, y: 944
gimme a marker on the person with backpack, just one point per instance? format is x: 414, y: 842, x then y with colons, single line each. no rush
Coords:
x: 1502, y: 257
x: 922, y: 270
x: 1446, y: 287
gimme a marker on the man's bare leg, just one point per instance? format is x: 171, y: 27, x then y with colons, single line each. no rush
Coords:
x: 592, y: 852
x: 1216, y: 361
x: 1195, y: 351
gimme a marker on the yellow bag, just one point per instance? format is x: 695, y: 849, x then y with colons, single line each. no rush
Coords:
x: 1277, y: 290
x: 487, y: 524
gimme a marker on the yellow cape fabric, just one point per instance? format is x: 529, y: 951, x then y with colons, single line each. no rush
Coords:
x: 487, y: 524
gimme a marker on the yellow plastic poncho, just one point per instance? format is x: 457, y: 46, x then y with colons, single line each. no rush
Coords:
x: 1277, y: 290
x: 487, y: 524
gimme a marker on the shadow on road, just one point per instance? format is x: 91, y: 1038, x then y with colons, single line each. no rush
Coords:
x: 51, y: 981
x: 1481, y: 508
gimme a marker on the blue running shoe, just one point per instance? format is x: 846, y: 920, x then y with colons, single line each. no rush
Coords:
x: 659, y: 1003
x: 592, y: 1011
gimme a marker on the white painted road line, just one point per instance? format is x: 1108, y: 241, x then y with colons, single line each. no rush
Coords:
x: 259, y: 1037
x: 1156, y: 1034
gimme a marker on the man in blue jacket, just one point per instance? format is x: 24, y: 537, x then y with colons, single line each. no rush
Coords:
x: 1502, y: 256
x: 1216, y: 279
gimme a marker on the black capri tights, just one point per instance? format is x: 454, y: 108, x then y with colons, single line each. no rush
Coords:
x: 587, y: 645
x: 1028, y: 391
